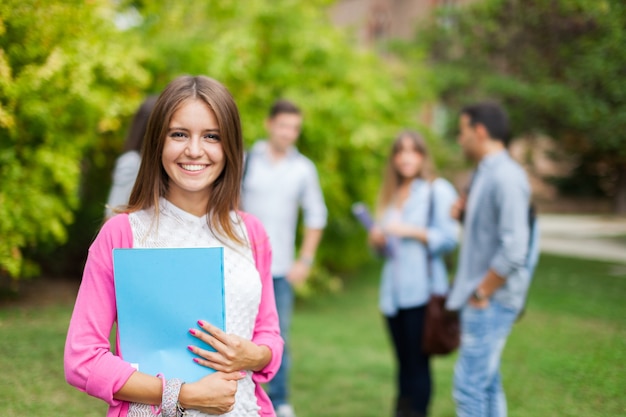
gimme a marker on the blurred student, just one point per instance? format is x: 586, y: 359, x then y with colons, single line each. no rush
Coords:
x: 278, y: 181
x: 415, y: 229
x: 187, y: 195
x: 493, y: 276
x: 127, y: 164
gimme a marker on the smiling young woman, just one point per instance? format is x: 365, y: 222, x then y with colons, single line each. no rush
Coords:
x: 186, y: 195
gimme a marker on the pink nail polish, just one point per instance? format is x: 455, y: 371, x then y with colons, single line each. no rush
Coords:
x: 190, y: 348
x: 201, y: 323
x: 192, y: 331
x: 196, y: 360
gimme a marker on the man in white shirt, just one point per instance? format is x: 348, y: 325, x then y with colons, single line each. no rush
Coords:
x: 278, y: 181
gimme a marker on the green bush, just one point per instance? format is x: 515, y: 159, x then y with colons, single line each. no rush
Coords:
x: 558, y: 66
x: 354, y: 104
x: 66, y: 78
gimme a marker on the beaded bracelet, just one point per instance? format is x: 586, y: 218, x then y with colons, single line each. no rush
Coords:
x: 180, y: 410
x: 169, y: 402
x: 157, y: 411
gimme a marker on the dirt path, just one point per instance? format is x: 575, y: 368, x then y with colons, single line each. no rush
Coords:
x: 584, y: 236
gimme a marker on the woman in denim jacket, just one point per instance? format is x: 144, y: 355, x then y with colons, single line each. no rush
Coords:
x: 414, y: 230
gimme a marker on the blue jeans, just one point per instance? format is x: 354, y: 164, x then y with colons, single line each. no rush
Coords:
x: 278, y: 386
x: 478, y: 388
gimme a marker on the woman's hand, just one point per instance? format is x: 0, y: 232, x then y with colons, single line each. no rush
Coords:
x: 214, y: 394
x: 377, y: 238
x: 233, y: 354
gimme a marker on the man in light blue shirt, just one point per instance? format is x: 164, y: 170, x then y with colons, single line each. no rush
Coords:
x: 278, y: 182
x: 492, y: 278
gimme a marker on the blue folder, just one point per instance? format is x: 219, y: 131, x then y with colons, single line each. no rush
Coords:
x: 161, y: 294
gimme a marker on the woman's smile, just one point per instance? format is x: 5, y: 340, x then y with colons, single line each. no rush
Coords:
x: 192, y: 167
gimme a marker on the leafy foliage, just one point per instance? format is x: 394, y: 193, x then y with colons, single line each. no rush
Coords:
x: 558, y: 65
x: 81, y: 77
x: 64, y: 83
x: 353, y: 101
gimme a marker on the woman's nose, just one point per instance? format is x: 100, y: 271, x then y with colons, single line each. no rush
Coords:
x: 194, y: 147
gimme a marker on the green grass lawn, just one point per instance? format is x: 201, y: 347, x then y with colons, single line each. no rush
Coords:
x: 566, y: 357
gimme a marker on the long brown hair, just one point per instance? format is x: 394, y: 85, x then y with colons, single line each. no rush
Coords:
x: 152, y: 180
x: 392, y: 178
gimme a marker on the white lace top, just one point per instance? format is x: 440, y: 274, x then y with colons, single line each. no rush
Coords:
x: 242, y: 283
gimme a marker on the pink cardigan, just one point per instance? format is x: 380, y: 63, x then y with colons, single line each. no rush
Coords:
x: 89, y: 363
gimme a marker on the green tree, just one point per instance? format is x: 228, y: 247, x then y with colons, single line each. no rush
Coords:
x: 354, y: 101
x: 67, y: 76
x: 67, y: 99
x: 558, y: 65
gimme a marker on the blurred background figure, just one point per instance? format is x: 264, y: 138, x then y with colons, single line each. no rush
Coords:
x: 278, y: 181
x: 493, y: 274
x: 413, y: 219
x: 127, y: 164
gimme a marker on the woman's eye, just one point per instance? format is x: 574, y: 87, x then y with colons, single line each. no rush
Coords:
x: 178, y: 135
x: 212, y: 137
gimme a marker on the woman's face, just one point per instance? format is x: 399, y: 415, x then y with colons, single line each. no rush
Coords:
x: 193, y: 156
x: 407, y: 160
